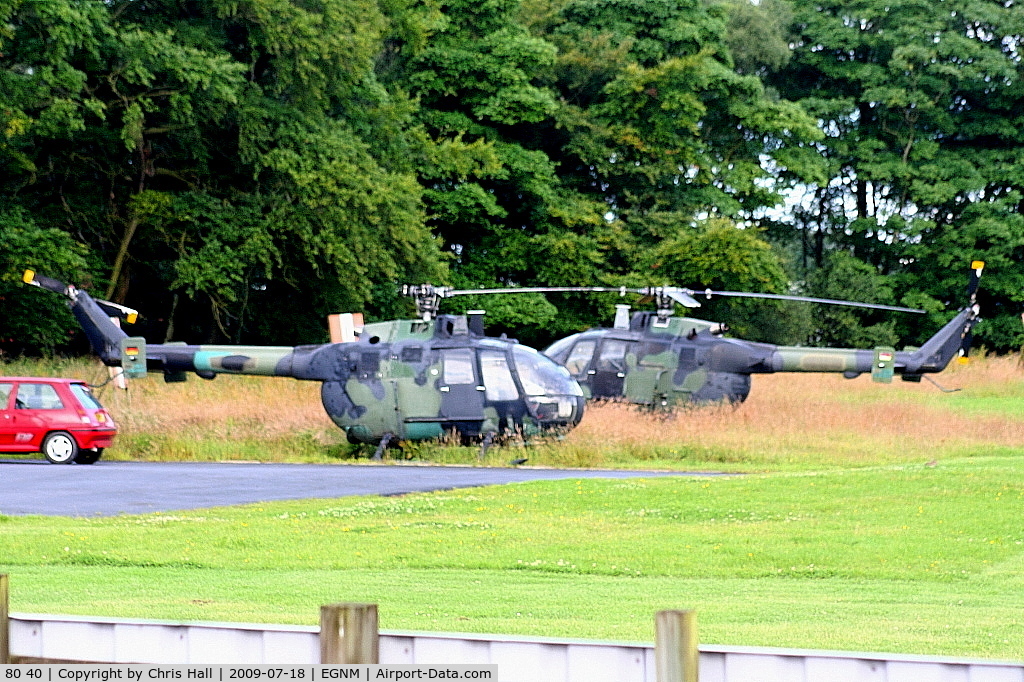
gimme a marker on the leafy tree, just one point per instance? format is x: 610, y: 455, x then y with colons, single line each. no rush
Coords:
x: 493, y: 190
x: 919, y: 102
x: 758, y: 35
x: 32, y: 321
x: 232, y: 164
x: 722, y: 256
x: 664, y: 123
x: 844, y: 277
x: 567, y: 165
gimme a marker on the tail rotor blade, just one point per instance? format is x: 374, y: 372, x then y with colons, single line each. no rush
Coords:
x: 965, y: 347
x: 972, y: 287
x: 48, y: 283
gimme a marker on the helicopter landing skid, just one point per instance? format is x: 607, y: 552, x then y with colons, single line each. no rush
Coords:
x: 379, y: 454
x: 488, y: 439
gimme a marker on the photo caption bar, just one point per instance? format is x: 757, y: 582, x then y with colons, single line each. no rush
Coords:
x: 143, y: 672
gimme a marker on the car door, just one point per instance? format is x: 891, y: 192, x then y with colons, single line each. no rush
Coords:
x: 6, y: 418
x: 38, y: 408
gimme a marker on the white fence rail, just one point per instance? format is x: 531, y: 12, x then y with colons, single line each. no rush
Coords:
x: 519, y: 659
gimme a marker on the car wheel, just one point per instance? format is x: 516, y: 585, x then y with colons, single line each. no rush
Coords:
x: 89, y: 456
x: 60, y: 447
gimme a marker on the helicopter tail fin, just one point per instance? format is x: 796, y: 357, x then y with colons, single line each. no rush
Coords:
x: 94, y: 316
x: 953, y: 340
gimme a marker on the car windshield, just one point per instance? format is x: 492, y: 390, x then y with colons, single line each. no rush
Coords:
x: 85, y: 397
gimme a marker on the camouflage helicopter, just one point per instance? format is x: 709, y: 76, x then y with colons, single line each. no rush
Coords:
x: 660, y: 360
x: 399, y: 380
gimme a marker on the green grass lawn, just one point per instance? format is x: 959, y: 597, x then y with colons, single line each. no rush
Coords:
x: 913, y: 558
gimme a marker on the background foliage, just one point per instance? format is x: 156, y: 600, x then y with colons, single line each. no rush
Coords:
x: 238, y: 169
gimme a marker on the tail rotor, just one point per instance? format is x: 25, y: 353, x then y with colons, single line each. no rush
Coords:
x: 972, y: 295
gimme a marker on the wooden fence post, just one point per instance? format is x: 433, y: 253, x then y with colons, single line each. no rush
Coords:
x: 5, y: 623
x: 348, y: 634
x: 675, y: 646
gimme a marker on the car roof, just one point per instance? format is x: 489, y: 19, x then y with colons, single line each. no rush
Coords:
x: 52, y: 380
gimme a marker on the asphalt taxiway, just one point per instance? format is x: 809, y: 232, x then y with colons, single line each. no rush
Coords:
x: 112, y: 488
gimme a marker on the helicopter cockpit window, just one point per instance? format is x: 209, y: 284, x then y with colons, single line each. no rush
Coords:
x: 497, y: 376
x: 542, y: 377
x: 612, y: 357
x: 458, y: 366
x: 560, y: 349
x: 579, y: 358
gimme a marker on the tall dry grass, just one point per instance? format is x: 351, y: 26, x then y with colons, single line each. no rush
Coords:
x: 802, y: 418
x: 230, y: 417
x: 789, y: 420
x: 229, y: 406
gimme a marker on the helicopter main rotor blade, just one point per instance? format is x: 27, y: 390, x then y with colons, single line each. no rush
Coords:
x: 810, y: 299
x: 622, y: 291
x: 684, y: 297
x: 681, y: 296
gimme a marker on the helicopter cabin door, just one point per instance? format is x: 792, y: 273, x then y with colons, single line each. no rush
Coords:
x: 578, y: 362
x: 462, y: 392
x: 608, y: 372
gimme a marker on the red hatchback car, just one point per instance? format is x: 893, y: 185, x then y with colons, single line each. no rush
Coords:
x: 58, y: 417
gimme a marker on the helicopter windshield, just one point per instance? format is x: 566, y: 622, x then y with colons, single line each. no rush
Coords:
x: 558, y: 350
x: 541, y: 376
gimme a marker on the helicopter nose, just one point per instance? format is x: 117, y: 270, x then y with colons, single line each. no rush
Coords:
x: 581, y: 405
x: 557, y: 410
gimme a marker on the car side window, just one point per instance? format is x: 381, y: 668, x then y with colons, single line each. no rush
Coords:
x: 85, y: 396
x: 38, y: 397
x: 5, y: 395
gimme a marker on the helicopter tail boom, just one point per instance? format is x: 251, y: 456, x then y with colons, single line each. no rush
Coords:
x: 930, y: 358
x: 108, y: 341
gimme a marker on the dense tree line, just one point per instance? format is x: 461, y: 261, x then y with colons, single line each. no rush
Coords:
x: 238, y: 169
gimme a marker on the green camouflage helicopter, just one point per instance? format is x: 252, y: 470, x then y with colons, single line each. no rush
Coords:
x: 399, y: 380
x: 660, y: 360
